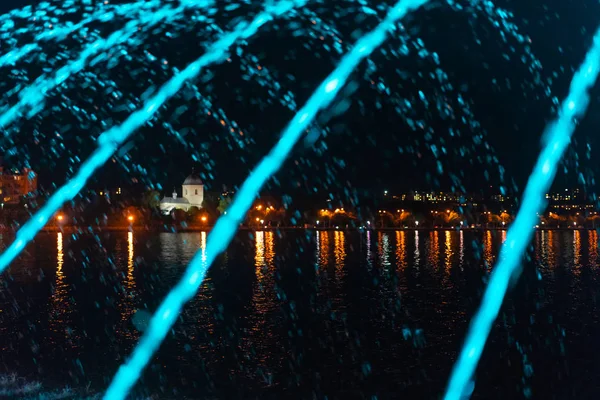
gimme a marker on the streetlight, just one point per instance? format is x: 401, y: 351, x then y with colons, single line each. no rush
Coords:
x: 417, y: 223
x: 60, y: 217
x: 318, y: 222
x: 203, y: 218
x: 130, y: 218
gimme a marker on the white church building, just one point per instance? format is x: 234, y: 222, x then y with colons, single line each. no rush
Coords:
x: 192, y: 195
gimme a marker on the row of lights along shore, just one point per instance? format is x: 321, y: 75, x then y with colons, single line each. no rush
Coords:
x: 130, y: 218
x: 61, y: 218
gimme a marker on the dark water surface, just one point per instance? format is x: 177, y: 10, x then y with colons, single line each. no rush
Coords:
x: 337, y: 315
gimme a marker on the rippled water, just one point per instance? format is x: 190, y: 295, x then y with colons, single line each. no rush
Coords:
x: 305, y: 315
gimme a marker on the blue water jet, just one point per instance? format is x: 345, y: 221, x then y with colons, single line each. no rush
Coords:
x: 556, y: 140
x: 226, y: 226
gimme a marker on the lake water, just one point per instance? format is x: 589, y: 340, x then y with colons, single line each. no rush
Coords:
x: 337, y: 315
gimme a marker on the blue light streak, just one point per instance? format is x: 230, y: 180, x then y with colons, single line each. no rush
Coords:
x: 34, y: 94
x: 226, y: 226
x: 110, y: 140
x: 556, y: 140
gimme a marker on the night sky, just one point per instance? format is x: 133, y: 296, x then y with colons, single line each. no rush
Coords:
x: 362, y: 144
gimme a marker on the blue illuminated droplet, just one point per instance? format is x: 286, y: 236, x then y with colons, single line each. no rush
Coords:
x: 331, y: 85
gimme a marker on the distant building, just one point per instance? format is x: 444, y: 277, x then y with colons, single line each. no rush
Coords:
x: 431, y: 197
x: 14, y: 185
x: 568, y: 196
x: 192, y: 195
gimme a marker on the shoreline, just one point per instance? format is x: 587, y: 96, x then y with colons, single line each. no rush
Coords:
x: 69, y: 229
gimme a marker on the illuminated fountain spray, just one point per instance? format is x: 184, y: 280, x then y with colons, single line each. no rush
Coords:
x: 226, y: 226
x: 149, y: 14
x: 556, y: 140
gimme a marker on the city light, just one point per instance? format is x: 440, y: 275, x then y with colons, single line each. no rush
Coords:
x: 203, y: 218
x: 130, y: 218
x: 60, y: 217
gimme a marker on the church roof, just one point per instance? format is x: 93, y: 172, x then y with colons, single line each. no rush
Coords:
x: 193, y: 179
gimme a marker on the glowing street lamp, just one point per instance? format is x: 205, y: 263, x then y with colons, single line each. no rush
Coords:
x: 417, y: 223
x: 60, y: 218
x: 130, y: 218
x: 318, y: 222
x: 203, y: 218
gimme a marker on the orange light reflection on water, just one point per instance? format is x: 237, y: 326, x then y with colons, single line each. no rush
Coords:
x: 593, y: 247
x: 322, y: 249
x: 130, y: 283
x: 339, y: 251
x: 59, y: 303
x: 449, y: 252
x: 401, y: 250
x: 488, y: 255
x: 577, y: 252
x: 434, y: 249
